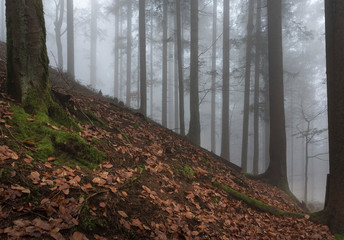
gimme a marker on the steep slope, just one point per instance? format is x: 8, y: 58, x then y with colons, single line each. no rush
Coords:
x: 152, y: 184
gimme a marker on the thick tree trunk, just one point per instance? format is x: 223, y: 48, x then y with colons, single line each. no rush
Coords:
x: 27, y: 60
x: 225, y: 84
x: 247, y: 86
x: 142, y: 38
x: 256, y: 89
x: 180, y: 70
x: 213, y: 80
x: 276, y: 173
x: 94, y: 36
x: 129, y: 43
x: 58, y: 24
x: 70, y: 39
x: 334, y: 19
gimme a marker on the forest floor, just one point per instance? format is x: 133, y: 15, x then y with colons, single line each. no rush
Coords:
x: 152, y: 183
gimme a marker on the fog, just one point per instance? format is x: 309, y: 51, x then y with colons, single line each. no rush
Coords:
x: 304, y: 75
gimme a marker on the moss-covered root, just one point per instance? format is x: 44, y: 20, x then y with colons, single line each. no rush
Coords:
x: 254, y: 203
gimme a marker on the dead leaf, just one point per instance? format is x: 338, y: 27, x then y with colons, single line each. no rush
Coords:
x: 78, y: 236
x: 31, y: 119
x: 20, y: 188
x: 123, y: 214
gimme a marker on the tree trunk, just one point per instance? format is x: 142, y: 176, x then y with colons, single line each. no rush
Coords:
x: 334, y: 20
x: 180, y: 70
x: 213, y: 80
x: 142, y: 39
x: 94, y: 34
x: 58, y: 24
x: 176, y: 97
x: 194, y: 134
x: 116, y: 67
x: 247, y: 86
x: 225, y: 83
x: 256, y: 89
x: 164, y: 65
x: 276, y: 173
x: 70, y: 38
x: 151, y: 64
x: 27, y: 60
x: 129, y: 43
x: 2, y: 22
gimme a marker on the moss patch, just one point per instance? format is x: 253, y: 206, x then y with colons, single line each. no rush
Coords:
x: 256, y: 203
x: 339, y: 236
x: 187, y: 172
x: 51, y: 141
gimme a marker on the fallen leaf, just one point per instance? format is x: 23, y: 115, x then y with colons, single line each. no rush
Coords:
x: 78, y: 236
x: 31, y: 119
x: 123, y: 214
x: 20, y: 188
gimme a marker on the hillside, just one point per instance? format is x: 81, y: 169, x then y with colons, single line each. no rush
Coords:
x: 149, y: 184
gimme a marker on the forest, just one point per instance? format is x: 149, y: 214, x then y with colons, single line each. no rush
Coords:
x: 194, y: 119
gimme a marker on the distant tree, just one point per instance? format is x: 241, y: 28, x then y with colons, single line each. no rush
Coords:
x: 180, y: 70
x: 194, y: 134
x: 59, y: 13
x: 276, y: 173
x: 129, y: 46
x: 257, y: 88
x: 225, y: 83
x: 213, y: 79
x: 334, y: 204
x: 164, y: 63
x: 27, y: 59
x: 142, y: 40
x: 70, y: 38
x: 247, y: 85
x: 308, y: 133
x: 116, y: 49
x: 94, y: 37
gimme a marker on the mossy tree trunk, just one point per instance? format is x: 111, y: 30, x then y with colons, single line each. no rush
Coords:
x: 27, y: 60
x: 334, y: 207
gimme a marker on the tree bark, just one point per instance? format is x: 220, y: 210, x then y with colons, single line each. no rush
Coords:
x: 58, y: 24
x: 94, y: 36
x: 194, y: 134
x: 256, y: 89
x: 70, y: 39
x: 27, y: 60
x: 129, y: 43
x: 225, y: 153
x: 276, y: 173
x: 247, y: 86
x: 334, y: 20
x: 142, y: 39
x: 164, y: 65
x: 116, y: 60
x: 180, y: 70
x: 213, y: 80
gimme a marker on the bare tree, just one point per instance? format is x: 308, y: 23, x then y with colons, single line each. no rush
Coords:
x: 213, y: 80
x: 142, y: 40
x: 70, y: 38
x: 59, y: 13
x: 129, y: 46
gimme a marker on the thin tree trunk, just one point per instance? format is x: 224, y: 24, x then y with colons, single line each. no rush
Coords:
x: 247, y: 86
x: 176, y: 95
x: 2, y: 21
x: 58, y: 24
x: 213, y: 80
x: 164, y: 64
x: 94, y: 34
x: 225, y: 153
x: 70, y: 38
x: 116, y: 70
x: 129, y: 43
x: 180, y: 70
x: 194, y: 134
x: 256, y: 90
x: 142, y: 39
x: 151, y: 64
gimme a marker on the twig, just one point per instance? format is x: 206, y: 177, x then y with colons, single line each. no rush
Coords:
x: 21, y: 144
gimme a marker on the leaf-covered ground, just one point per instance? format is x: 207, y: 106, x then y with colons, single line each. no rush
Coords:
x: 152, y: 184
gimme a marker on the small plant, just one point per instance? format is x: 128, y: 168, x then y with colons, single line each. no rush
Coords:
x: 187, y: 172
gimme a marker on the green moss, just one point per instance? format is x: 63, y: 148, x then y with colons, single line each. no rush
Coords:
x: 91, y: 224
x: 187, y: 172
x: 256, y: 203
x: 64, y: 145
x: 339, y: 236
